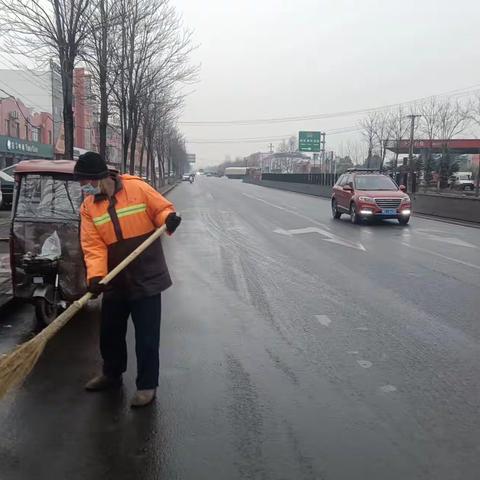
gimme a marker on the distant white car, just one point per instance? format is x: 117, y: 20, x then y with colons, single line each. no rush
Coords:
x: 462, y: 181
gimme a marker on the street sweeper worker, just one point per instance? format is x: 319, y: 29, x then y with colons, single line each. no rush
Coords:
x: 118, y: 213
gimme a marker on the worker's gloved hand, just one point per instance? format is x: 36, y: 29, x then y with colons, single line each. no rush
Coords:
x: 95, y: 287
x: 172, y: 222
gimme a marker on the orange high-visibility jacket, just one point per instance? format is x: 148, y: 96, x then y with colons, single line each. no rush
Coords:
x: 112, y: 228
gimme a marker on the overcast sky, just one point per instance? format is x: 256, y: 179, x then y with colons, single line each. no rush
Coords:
x: 272, y: 58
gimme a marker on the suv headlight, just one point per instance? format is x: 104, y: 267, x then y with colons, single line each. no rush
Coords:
x: 405, y: 200
x: 367, y: 200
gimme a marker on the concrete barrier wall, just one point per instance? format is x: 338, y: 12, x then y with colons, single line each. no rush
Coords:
x: 466, y: 209
x: 458, y: 208
x: 317, y: 190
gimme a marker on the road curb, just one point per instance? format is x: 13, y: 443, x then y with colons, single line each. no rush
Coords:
x: 452, y: 221
x: 168, y: 190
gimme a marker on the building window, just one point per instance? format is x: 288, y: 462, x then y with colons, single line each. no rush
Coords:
x: 35, y: 134
x: 50, y: 137
x: 7, y: 128
x: 26, y: 132
x: 17, y: 130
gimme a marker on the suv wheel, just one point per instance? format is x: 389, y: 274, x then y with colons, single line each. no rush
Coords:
x: 335, y: 213
x: 403, y: 220
x: 354, y: 218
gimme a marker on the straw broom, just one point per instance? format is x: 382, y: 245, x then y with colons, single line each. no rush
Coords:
x: 17, y: 365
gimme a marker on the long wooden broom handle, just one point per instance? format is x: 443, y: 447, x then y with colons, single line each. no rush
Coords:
x: 140, y: 249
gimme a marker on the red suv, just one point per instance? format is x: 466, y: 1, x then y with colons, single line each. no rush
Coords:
x: 367, y: 194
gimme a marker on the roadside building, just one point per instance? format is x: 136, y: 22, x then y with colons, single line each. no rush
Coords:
x: 23, y: 134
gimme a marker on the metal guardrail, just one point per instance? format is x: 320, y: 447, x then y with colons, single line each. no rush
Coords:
x: 327, y: 179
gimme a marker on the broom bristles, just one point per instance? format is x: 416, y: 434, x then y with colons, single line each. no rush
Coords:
x: 17, y: 365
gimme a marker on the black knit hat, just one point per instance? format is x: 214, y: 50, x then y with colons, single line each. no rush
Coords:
x: 90, y: 166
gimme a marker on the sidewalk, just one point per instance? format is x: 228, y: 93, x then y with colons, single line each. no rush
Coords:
x: 5, y: 284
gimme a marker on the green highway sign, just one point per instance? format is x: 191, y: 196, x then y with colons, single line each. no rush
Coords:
x: 309, y: 141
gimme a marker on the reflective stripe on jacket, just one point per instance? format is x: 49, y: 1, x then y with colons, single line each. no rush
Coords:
x: 111, y: 229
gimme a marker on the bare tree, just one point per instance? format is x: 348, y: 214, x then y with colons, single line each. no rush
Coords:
x: 46, y: 28
x: 292, y: 144
x: 398, y: 127
x: 453, y: 120
x: 98, y: 55
x: 382, y: 134
x: 152, y: 55
x: 369, y: 134
x: 355, y: 149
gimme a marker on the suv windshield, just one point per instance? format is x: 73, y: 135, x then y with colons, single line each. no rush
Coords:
x: 374, y: 182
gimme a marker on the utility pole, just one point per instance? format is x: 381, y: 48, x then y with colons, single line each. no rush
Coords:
x: 271, y: 147
x: 322, y: 149
x: 477, y: 178
x: 410, y: 151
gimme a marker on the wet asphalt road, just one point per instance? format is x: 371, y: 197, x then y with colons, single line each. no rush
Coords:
x: 293, y: 347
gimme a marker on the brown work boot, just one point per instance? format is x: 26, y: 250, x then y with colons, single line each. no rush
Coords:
x: 102, y: 382
x: 142, y: 398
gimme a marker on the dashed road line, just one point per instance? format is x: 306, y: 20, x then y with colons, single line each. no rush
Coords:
x: 388, y: 388
x: 323, y: 320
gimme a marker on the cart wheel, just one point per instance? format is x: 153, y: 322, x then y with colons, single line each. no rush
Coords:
x: 45, y: 312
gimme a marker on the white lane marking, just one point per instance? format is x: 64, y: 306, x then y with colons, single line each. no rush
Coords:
x: 454, y: 241
x: 352, y: 352
x: 362, y: 329
x: 286, y: 210
x: 439, y: 236
x: 456, y: 260
x: 364, y: 363
x: 7, y: 326
x: 209, y: 196
x: 331, y: 238
x: 324, y: 320
x: 388, y: 388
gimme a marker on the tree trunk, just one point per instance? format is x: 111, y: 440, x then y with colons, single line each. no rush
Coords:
x: 68, y: 120
x: 161, y: 166
x: 125, y: 136
x: 152, y: 162
x: 147, y: 173
x: 142, y: 151
x: 133, y: 149
x: 103, y: 122
x: 103, y: 67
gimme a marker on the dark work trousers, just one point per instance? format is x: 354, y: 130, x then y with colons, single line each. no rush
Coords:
x: 146, y: 315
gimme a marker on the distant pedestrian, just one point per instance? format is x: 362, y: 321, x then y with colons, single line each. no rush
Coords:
x: 118, y: 213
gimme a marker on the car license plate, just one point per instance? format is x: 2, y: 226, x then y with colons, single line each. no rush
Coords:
x: 38, y: 280
x: 389, y: 211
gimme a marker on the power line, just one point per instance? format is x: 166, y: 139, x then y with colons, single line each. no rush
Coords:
x: 22, y: 67
x: 19, y: 108
x: 265, y: 121
x: 266, y: 139
x: 20, y: 96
